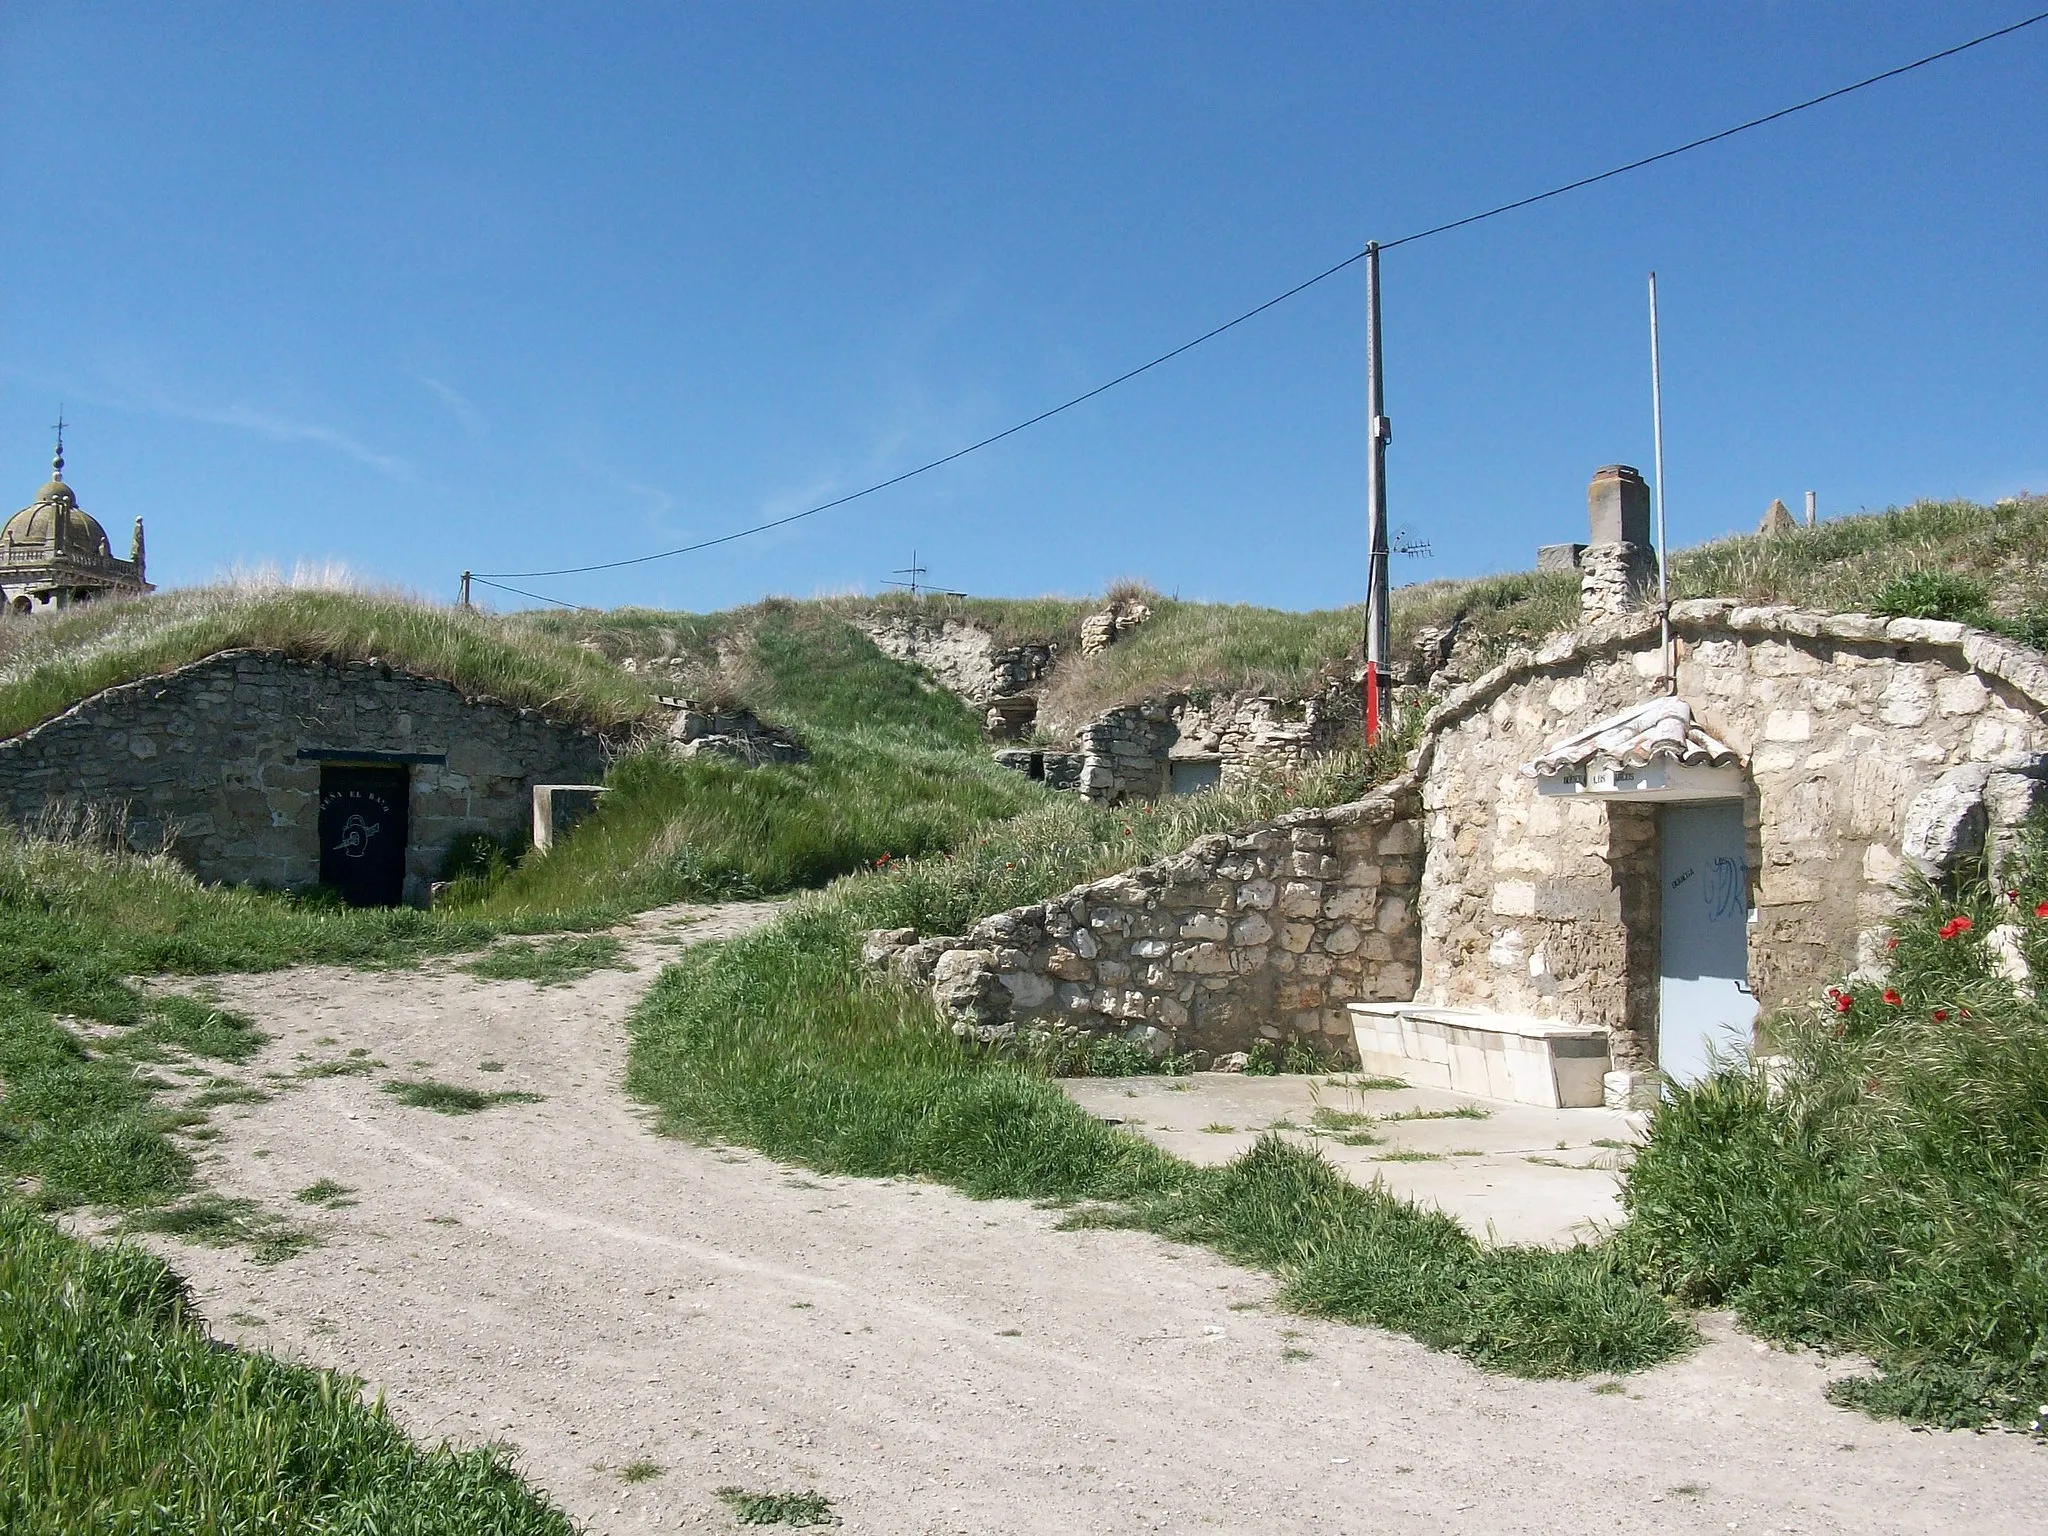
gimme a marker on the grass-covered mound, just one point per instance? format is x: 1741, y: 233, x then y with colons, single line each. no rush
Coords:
x: 1884, y: 1188
x: 49, y: 665
x: 121, y: 1415
x: 1946, y: 559
x: 897, y: 770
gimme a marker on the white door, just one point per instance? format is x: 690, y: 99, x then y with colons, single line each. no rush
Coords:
x: 1704, y: 1004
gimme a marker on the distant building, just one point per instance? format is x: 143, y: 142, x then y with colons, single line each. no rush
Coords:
x: 53, y: 553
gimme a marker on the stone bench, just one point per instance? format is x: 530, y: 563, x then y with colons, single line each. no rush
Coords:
x: 1490, y: 1055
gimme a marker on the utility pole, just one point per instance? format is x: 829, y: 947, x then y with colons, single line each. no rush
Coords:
x: 465, y: 589
x: 1376, y: 624
x: 1657, y: 440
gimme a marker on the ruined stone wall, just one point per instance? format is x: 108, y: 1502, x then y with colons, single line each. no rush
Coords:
x: 1260, y: 935
x: 964, y: 657
x: 1853, y: 727
x: 207, y: 757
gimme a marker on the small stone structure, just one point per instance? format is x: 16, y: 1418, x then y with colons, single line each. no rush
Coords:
x: 1264, y: 934
x: 1099, y: 631
x: 1618, y: 569
x: 234, y: 762
x: 1862, y: 737
x: 1151, y: 748
x: 962, y: 655
x: 557, y: 808
x: 697, y: 729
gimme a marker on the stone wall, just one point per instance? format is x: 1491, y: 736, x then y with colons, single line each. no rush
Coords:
x: 1856, y: 731
x: 1260, y: 935
x: 208, y: 759
x: 964, y: 657
x: 1127, y: 753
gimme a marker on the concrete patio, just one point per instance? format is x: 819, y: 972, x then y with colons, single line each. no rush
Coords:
x: 1511, y: 1173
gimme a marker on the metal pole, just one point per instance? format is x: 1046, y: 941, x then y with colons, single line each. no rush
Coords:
x: 465, y: 589
x: 1811, y: 509
x: 1657, y: 437
x: 1376, y: 623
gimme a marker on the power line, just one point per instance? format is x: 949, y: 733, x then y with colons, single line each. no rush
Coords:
x: 484, y: 581
x: 1252, y: 314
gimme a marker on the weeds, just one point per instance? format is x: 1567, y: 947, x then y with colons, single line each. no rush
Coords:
x: 554, y: 963
x: 797, y: 1509
x: 449, y: 1099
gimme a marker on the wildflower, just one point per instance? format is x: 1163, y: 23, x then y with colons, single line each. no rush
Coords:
x: 1941, y: 1015
x: 882, y: 862
x: 1892, y: 997
x: 1844, y: 1001
x: 2041, y: 910
x: 1955, y: 925
x: 1891, y: 943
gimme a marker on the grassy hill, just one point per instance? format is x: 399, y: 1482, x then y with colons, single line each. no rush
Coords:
x: 1954, y: 559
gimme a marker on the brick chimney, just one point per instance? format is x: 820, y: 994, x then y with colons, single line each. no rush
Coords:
x: 1619, y: 568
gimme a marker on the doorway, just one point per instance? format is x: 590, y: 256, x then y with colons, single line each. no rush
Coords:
x: 1705, y: 1006
x: 363, y: 829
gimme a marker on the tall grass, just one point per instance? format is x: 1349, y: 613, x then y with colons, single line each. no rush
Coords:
x: 49, y: 665
x: 121, y: 1415
x: 1885, y: 1188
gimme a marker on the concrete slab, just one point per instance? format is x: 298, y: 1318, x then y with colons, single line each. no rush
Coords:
x: 1510, y: 1173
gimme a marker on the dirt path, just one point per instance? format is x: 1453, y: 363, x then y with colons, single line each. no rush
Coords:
x: 555, y: 1276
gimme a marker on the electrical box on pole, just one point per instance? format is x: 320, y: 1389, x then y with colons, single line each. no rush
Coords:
x: 1377, y: 681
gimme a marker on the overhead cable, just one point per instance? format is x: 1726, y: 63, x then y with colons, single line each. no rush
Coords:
x: 1251, y: 314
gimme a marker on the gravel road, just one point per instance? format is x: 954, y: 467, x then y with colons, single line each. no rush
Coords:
x: 555, y: 1276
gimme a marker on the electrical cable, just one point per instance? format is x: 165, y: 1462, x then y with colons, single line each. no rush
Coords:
x: 499, y: 586
x: 1251, y: 314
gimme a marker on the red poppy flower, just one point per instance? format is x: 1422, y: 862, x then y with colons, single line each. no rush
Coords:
x: 1891, y: 943
x: 1941, y: 1015
x: 1891, y: 997
x: 1844, y: 1002
x: 2041, y: 910
x: 1955, y: 925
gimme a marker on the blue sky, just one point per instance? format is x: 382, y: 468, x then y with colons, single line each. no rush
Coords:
x: 423, y: 287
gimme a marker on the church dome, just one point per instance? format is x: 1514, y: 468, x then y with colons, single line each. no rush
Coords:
x: 35, y: 527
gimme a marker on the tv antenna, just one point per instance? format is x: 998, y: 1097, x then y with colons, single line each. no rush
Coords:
x: 1406, y: 543
x: 918, y: 587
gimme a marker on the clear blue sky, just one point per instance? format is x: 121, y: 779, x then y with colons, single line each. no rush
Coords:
x: 419, y: 287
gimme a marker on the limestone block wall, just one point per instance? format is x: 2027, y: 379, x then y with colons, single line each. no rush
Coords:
x: 1260, y: 935
x: 1552, y: 907
x: 207, y: 759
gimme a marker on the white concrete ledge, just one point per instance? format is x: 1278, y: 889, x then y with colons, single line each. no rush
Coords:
x: 1515, y: 1057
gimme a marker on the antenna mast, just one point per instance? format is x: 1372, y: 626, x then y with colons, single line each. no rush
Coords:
x: 1376, y: 625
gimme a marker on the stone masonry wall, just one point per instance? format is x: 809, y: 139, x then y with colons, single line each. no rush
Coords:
x: 207, y: 758
x: 1852, y: 727
x: 964, y: 657
x: 1260, y: 935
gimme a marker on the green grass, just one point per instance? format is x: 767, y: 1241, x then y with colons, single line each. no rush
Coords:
x: 450, y: 1099
x: 1887, y: 1197
x: 122, y: 1415
x: 640, y: 1471
x: 46, y: 668
x: 779, y: 1041
x: 897, y: 771
x: 797, y: 1509
x: 552, y: 963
